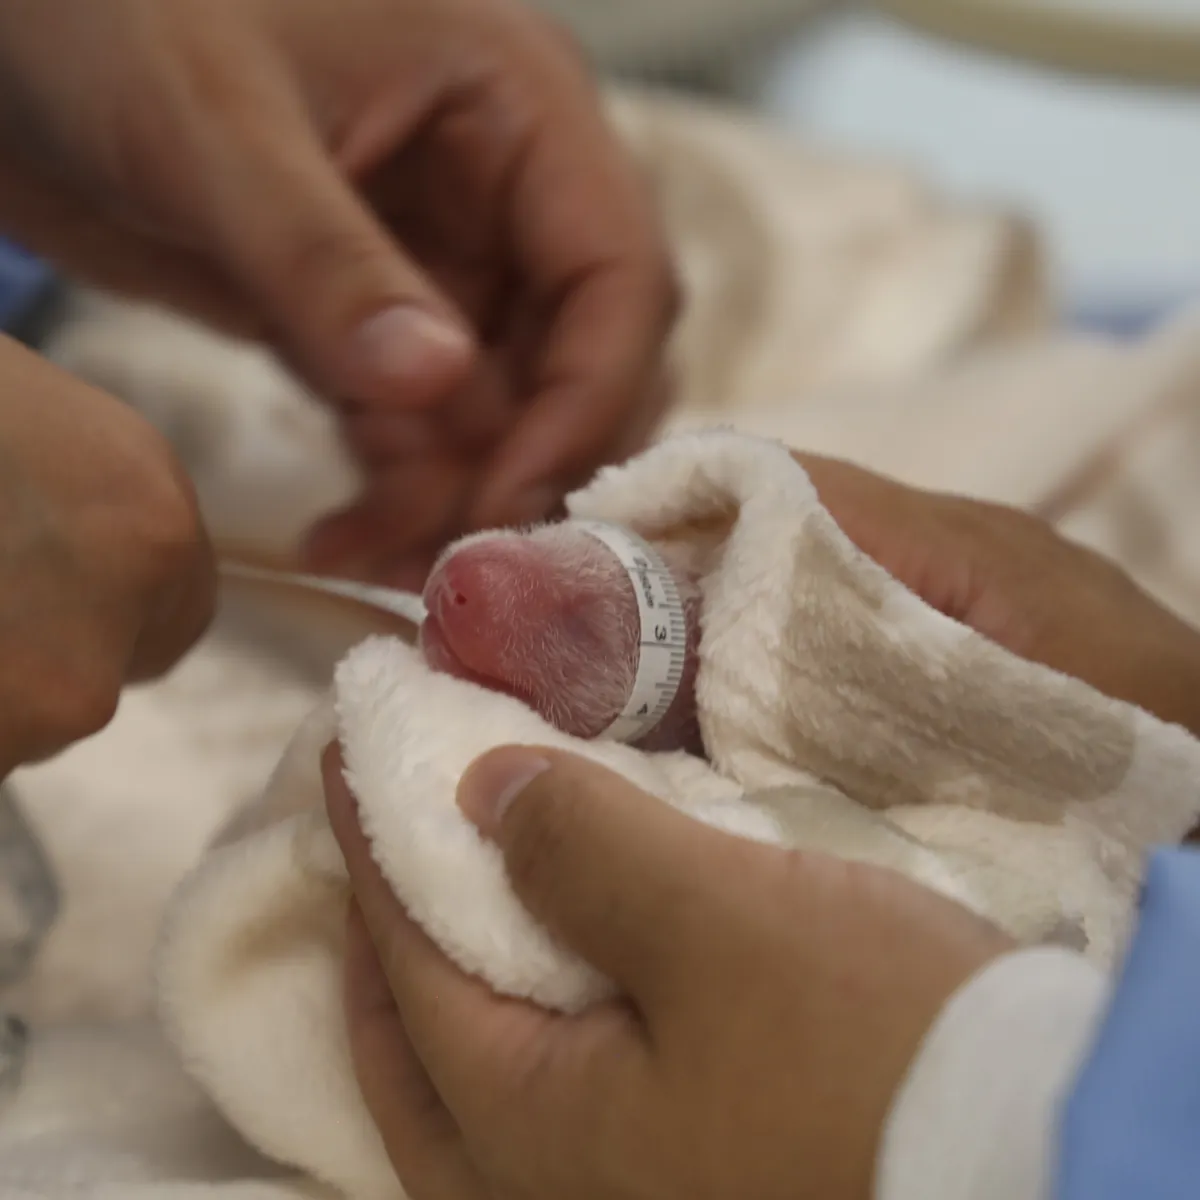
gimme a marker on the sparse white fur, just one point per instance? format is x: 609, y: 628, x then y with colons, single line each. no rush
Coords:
x: 580, y: 673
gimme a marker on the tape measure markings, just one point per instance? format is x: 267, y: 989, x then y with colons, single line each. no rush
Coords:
x: 662, y: 643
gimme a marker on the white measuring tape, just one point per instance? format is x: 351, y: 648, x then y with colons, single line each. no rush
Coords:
x: 662, y: 645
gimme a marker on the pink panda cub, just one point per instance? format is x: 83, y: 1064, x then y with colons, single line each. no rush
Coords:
x: 550, y: 617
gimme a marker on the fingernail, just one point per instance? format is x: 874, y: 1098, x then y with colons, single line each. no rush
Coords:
x: 492, y: 783
x: 405, y: 345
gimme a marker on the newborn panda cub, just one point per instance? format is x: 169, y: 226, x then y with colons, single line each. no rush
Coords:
x: 550, y: 617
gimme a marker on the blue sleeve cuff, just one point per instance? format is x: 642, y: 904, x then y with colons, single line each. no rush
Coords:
x: 1131, y: 1127
x: 30, y: 290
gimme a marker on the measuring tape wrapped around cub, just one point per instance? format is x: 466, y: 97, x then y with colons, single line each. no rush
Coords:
x: 702, y: 626
x: 593, y: 627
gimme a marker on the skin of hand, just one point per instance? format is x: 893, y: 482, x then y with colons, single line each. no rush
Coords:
x: 1010, y: 576
x: 771, y: 1003
x: 106, y: 575
x: 420, y: 203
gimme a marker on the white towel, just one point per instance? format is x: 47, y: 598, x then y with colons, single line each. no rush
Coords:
x: 838, y: 711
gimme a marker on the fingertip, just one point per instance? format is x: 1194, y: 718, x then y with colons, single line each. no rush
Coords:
x: 408, y: 355
x: 348, y: 304
x: 494, y: 780
x: 590, y: 855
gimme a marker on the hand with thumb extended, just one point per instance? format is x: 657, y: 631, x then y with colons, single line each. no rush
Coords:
x: 771, y: 1004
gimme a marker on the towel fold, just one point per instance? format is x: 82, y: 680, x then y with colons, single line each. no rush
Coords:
x: 839, y: 712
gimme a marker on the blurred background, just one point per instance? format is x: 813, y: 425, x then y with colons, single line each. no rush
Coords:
x: 1084, y: 114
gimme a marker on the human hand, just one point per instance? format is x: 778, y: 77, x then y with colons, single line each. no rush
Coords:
x: 418, y: 201
x: 106, y: 576
x: 772, y: 1002
x: 1010, y: 576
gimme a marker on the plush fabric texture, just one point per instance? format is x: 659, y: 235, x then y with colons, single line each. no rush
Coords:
x: 839, y: 712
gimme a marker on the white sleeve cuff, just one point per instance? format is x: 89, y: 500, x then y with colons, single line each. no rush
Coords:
x: 976, y: 1116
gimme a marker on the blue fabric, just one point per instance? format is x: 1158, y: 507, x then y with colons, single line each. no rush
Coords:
x: 25, y: 283
x: 1127, y: 322
x: 1131, y: 1128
